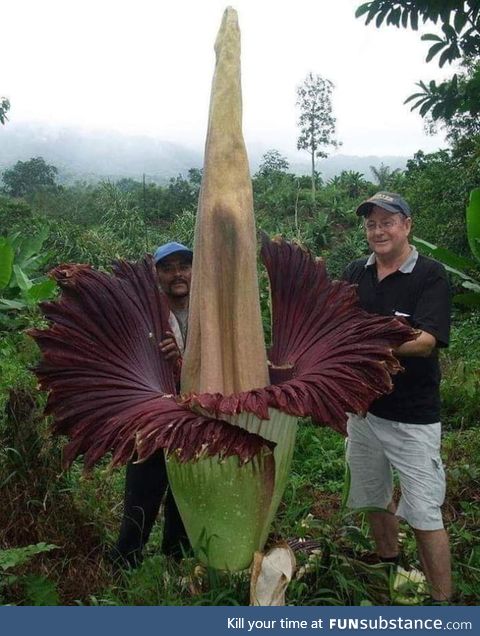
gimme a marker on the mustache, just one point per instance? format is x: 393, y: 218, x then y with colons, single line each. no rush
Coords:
x: 178, y: 279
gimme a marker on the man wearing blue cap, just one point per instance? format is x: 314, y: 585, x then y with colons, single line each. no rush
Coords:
x: 174, y: 270
x: 146, y: 483
x: 402, y: 430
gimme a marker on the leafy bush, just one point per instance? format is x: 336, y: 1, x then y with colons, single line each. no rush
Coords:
x: 344, y: 249
x: 181, y: 229
x: 437, y: 186
x: 71, y: 243
x: 37, y: 590
x: 21, y: 287
x: 15, y: 215
x: 460, y: 387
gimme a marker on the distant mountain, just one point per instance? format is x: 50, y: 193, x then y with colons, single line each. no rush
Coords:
x: 334, y: 165
x: 96, y: 155
x: 90, y: 156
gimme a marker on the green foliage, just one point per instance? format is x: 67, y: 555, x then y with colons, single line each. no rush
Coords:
x: 72, y: 243
x: 460, y: 95
x: 6, y: 262
x: 37, y: 590
x: 460, y: 387
x: 17, y: 354
x: 122, y: 221
x: 316, y: 121
x: 386, y: 178
x: 344, y: 249
x: 473, y: 223
x: 461, y: 453
x: 454, y: 264
x: 40, y: 591
x: 277, y: 194
x: 459, y: 40
x: 352, y: 183
x: 159, y: 204
x: 181, y: 194
x: 182, y: 229
x: 317, y: 233
x: 460, y: 391
x: 23, y: 437
x: 28, y: 177
x: 15, y: 214
x: 272, y: 162
x: 20, y: 259
x: 15, y: 557
x: 437, y: 187
x: 80, y: 204
x: 458, y: 265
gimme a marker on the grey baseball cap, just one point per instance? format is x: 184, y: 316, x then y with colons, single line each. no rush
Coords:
x: 389, y: 201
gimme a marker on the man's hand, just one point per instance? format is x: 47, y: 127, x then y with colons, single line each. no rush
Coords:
x: 169, y: 348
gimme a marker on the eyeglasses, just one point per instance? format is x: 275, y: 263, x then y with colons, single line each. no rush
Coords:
x: 371, y: 226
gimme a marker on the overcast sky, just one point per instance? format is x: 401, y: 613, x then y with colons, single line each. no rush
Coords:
x: 145, y: 66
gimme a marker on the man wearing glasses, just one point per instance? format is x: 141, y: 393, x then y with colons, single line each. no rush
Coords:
x: 402, y: 430
x: 146, y: 483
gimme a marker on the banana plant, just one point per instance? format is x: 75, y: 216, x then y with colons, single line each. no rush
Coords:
x: 21, y: 287
x: 461, y: 266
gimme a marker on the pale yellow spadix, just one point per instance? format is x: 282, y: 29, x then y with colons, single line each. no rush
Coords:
x: 226, y: 350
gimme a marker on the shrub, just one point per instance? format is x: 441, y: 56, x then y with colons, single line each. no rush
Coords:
x: 460, y: 386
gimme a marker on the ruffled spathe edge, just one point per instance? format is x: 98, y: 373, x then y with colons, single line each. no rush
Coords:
x: 111, y: 390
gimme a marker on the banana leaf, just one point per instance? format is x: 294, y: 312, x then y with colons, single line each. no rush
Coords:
x: 473, y: 223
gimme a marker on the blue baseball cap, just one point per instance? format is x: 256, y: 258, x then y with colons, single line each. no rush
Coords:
x: 170, y: 248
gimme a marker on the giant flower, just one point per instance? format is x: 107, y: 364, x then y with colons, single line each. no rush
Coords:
x: 229, y: 435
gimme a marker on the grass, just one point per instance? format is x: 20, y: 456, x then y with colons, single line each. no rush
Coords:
x: 81, y: 515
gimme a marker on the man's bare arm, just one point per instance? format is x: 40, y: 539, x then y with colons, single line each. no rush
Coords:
x: 422, y: 347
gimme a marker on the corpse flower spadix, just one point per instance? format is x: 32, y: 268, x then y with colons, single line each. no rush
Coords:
x: 229, y: 436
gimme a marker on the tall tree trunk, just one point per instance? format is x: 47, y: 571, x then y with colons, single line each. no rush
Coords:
x: 312, y: 152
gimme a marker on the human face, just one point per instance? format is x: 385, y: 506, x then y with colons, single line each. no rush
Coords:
x: 174, y: 274
x: 387, y: 233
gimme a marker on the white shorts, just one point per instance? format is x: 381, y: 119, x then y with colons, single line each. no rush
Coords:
x: 375, y: 446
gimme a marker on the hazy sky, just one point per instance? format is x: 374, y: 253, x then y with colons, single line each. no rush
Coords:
x: 145, y: 66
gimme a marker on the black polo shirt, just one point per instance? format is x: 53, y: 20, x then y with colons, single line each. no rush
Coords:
x: 421, y: 294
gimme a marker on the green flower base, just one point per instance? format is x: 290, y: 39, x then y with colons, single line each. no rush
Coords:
x: 227, y: 507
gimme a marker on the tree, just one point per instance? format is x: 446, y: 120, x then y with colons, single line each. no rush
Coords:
x: 182, y: 194
x: 460, y: 266
x: 273, y: 161
x: 316, y: 122
x: 437, y: 186
x: 275, y: 190
x: 353, y: 183
x: 385, y: 176
x: 459, y: 41
x: 4, y: 108
x: 195, y: 177
x: 28, y: 177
